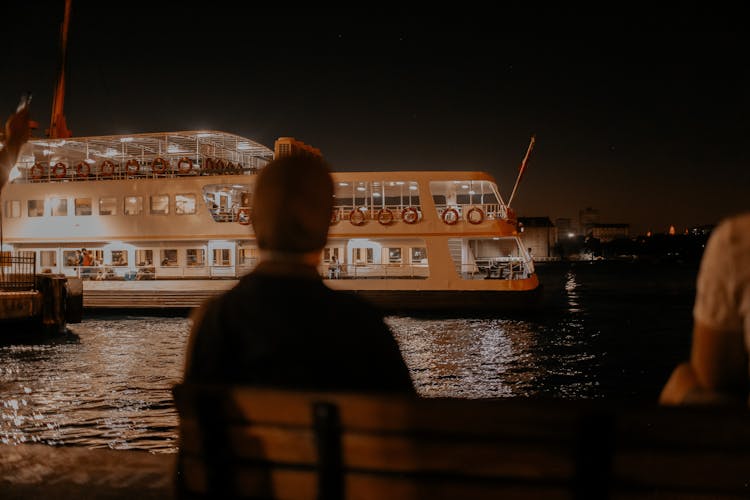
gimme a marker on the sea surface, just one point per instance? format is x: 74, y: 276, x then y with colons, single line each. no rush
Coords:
x: 607, y: 330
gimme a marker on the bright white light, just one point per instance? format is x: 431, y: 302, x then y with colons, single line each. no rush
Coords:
x: 343, y: 183
x: 126, y: 139
x: 376, y: 195
x: 360, y: 188
x: 412, y: 188
x: 570, y: 235
x: 464, y: 186
x: 243, y: 146
x: 472, y: 192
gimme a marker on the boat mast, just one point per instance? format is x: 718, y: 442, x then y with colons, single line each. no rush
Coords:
x: 58, y: 128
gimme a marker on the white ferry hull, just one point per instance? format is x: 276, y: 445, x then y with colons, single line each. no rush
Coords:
x: 159, y: 223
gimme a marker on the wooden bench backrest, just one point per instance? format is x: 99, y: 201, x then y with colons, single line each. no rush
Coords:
x: 258, y: 443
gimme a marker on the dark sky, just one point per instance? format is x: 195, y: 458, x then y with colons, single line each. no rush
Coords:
x: 640, y: 113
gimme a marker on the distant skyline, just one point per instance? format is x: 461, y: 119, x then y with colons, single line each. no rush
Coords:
x: 639, y: 114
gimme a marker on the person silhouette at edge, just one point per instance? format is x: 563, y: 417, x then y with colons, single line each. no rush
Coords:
x: 718, y: 369
x: 280, y: 325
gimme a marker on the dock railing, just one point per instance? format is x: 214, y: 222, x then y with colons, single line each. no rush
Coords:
x: 17, y: 272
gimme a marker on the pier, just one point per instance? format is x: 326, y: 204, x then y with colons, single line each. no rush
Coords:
x: 36, y: 303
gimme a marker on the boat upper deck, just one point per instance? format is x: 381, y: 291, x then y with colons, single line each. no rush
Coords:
x: 149, y: 154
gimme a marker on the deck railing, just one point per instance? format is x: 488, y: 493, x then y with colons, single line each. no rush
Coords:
x: 17, y: 272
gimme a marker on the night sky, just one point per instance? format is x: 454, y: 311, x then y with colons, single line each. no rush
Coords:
x: 641, y: 114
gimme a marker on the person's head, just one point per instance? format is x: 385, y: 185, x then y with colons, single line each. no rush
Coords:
x: 292, y: 204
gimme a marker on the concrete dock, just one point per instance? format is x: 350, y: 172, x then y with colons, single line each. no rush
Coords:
x: 32, y: 471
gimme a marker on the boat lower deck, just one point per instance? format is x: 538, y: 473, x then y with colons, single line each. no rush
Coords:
x: 188, y: 294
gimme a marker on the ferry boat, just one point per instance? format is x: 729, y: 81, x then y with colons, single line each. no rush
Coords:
x: 171, y: 211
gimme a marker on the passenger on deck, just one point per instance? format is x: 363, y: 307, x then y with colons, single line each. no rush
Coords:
x: 281, y: 326
x: 718, y: 369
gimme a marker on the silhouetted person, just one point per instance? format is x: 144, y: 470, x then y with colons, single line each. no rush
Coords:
x: 718, y: 369
x: 281, y: 326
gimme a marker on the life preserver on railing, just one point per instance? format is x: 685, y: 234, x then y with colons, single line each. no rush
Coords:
x: 83, y: 169
x: 475, y: 215
x: 132, y: 166
x: 185, y: 165
x: 385, y: 216
x: 37, y: 170
x: 450, y: 216
x: 107, y: 168
x: 357, y: 217
x: 335, y: 216
x: 221, y: 165
x: 243, y: 216
x: 159, y: 165
x: 410, y: 215
x: 230, y: 167
x: 59, y: 170
x: 208, y: 165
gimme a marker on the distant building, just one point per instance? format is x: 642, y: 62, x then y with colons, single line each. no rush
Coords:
x: 566, y: 227
x: 539, y: 235
x: 587, y: 218
x: 609, y: 232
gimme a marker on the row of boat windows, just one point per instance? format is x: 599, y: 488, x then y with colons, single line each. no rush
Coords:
x: 197, y: 257
x: 159, y: 204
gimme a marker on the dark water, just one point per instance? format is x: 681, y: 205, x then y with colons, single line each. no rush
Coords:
x: 606, y: 330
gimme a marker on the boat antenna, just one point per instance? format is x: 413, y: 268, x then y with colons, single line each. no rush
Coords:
x: 58, y: 128
x: 522, y: 168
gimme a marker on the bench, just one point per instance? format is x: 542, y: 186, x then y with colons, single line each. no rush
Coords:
x: 262, y: 443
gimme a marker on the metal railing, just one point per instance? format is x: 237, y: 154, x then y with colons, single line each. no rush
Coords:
x: 17, y: 272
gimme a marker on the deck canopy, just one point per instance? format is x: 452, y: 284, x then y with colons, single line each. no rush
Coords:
x: 144, y: 148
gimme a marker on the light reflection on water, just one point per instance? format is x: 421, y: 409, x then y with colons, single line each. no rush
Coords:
x: 600, y: 335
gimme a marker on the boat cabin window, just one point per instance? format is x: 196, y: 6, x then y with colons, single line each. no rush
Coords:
x: 144, y: 257
x: 47, y: 258
x: 370, y: 197
x: 12, y: 209
x: 419, y: 255
x: 133, y: 205
x: 248, y: 256
x: 363, y: 256
x: 35, y: 208
x: 168, y: 257
x: 224, y: 201
x: 108, y: 206
x: 491, y: 258
x: 119, y: 257
x: 59, y: 206
x: 394, y: 255
x: 83, y: 206
x: 463, y: 195
x: 184, y: 204
x: 71, y: 258
x: 160, y: 204
x: 196, y: 257
x: 222, y: 257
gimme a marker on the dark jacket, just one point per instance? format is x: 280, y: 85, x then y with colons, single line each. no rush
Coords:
x: 294, y: 332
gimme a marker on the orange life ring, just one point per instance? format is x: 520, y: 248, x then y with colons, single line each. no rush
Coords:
x: 475, y: 215
x: 243, y: 216
x: 159, y: 165
x: 410, y: 215
x: 83, y: 169
x: 385, y: 216
x: 37, y: 170
x: 132, y: 166
x: 59, y: 170
x: 450, y: 216
x: 357, y: 217
x: 107, y: 168
x: 185, y: 165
